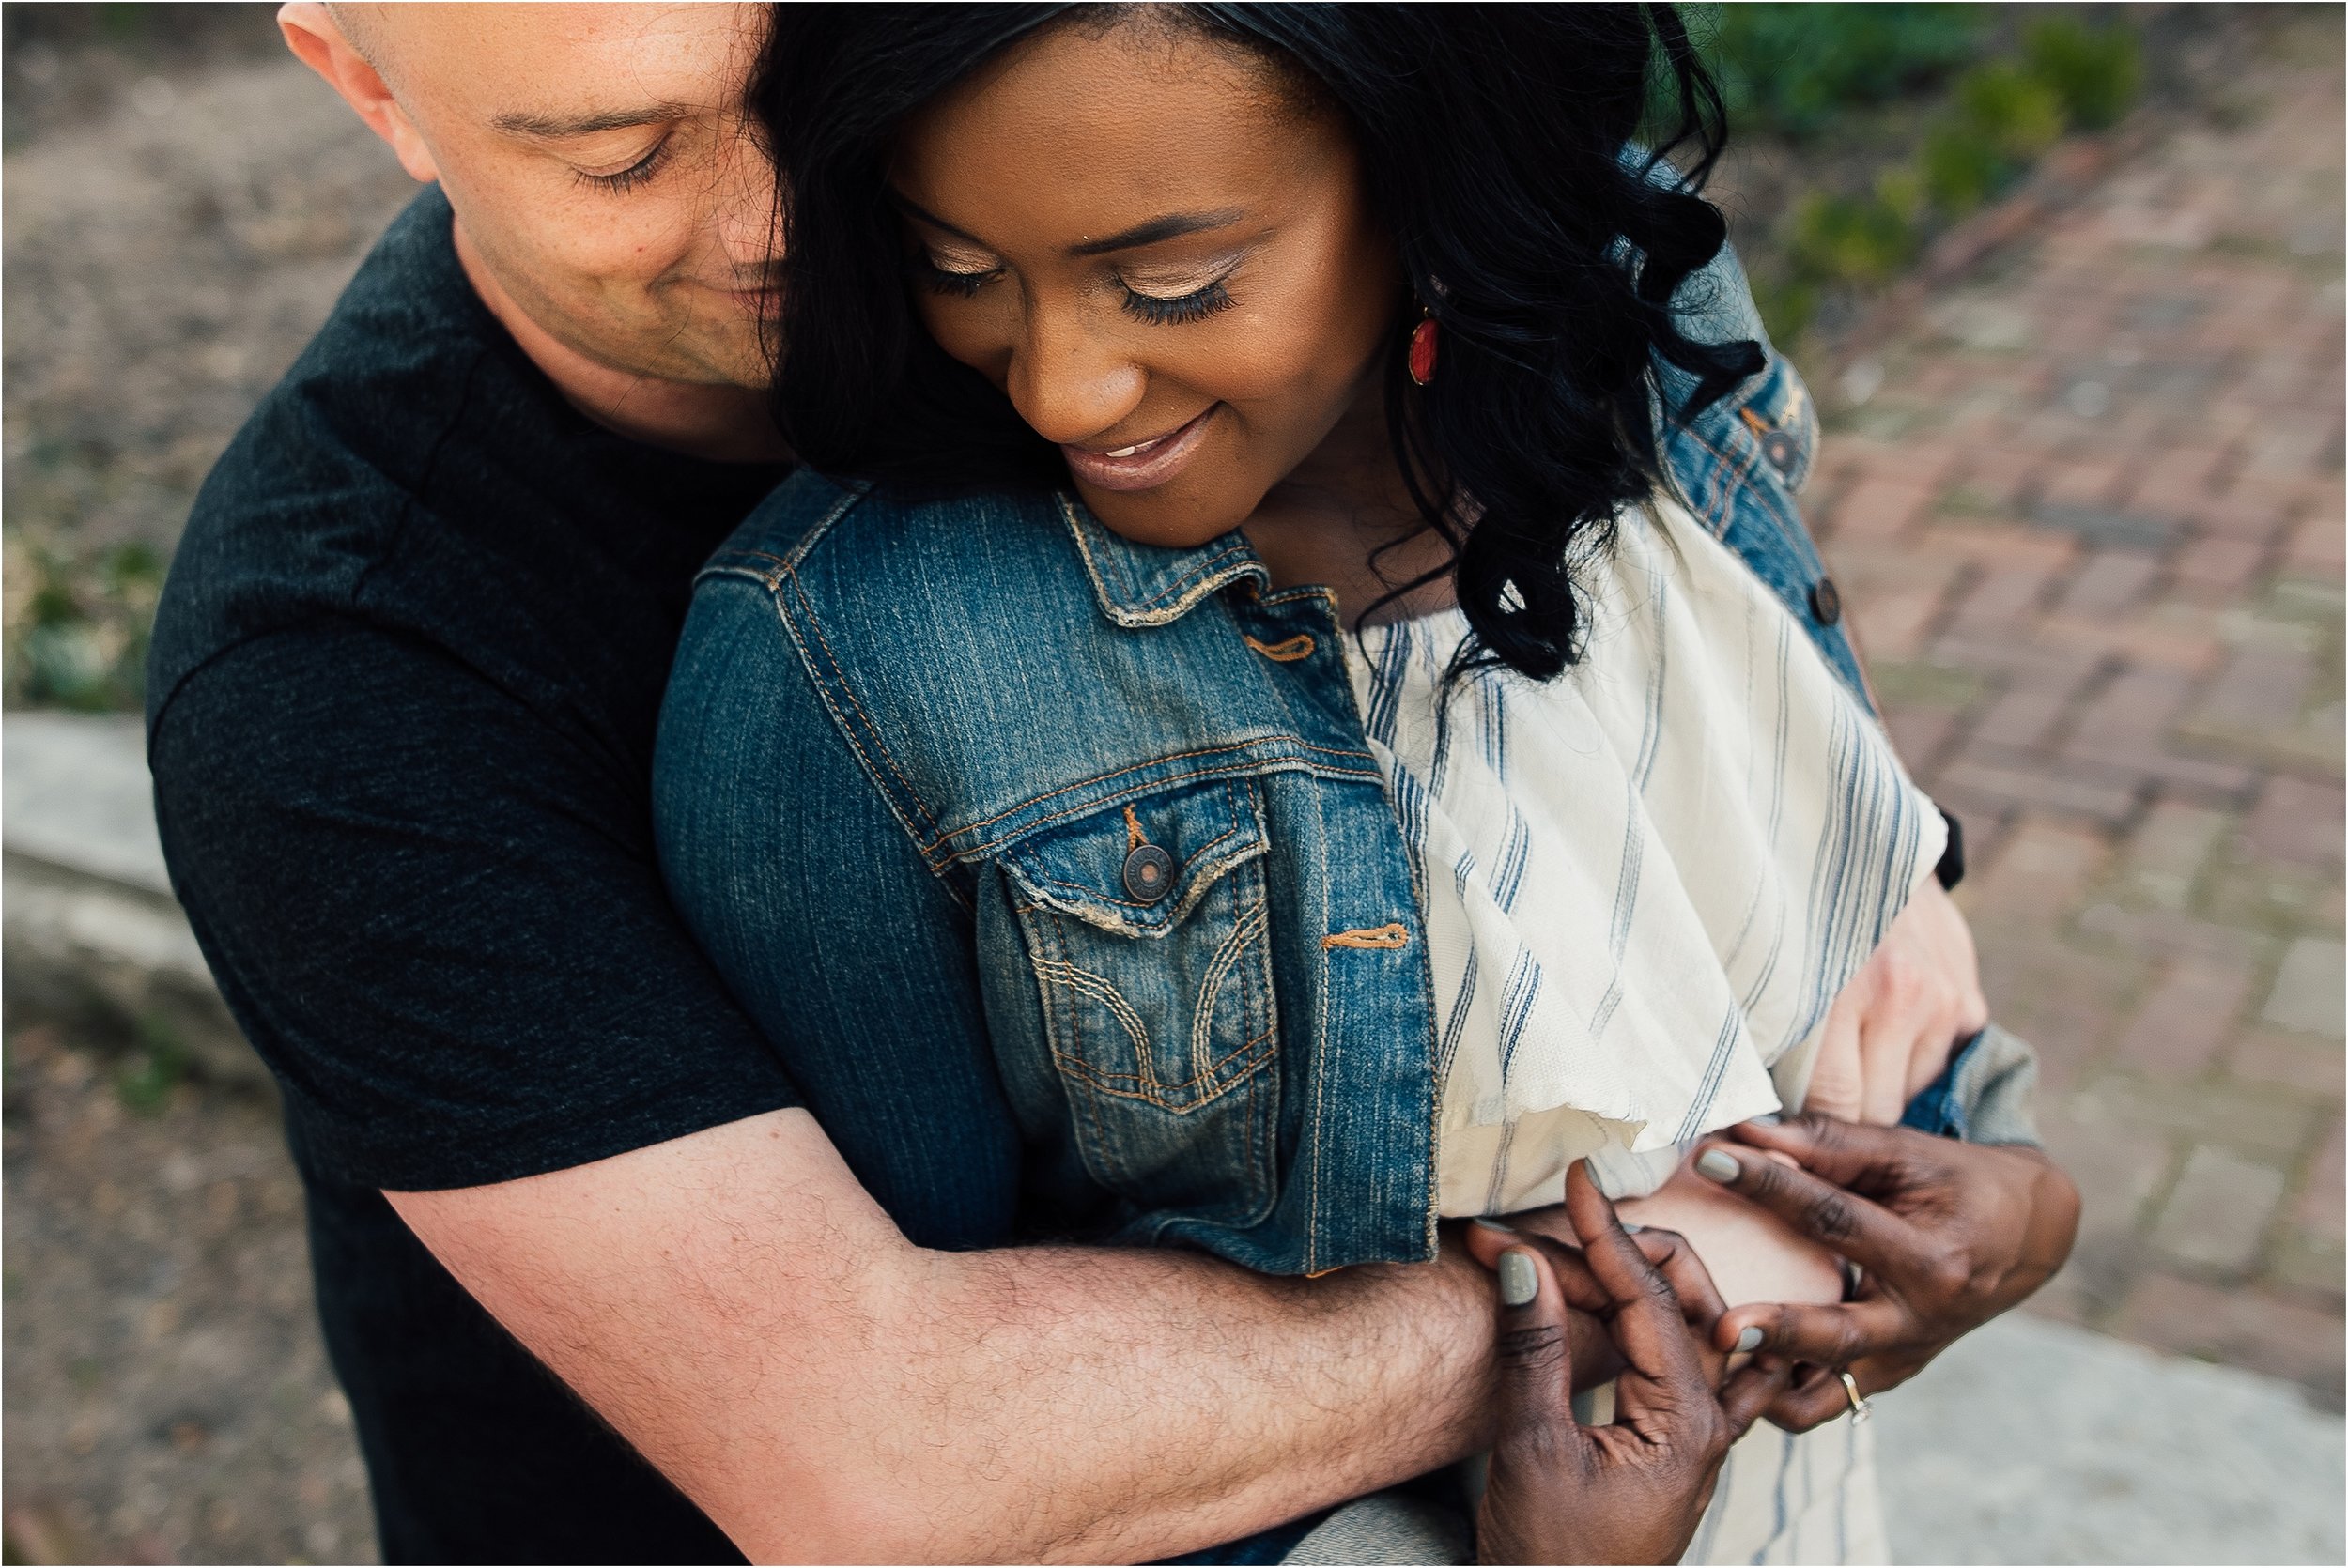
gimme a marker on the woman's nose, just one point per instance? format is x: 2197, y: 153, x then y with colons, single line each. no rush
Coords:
x: 1068, y: 386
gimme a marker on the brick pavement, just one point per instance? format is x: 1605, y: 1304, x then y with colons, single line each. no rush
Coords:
x: 2090, y: 529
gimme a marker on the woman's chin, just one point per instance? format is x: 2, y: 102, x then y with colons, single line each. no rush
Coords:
x: 1158, y: 517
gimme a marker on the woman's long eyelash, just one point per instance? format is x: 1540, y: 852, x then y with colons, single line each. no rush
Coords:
x: 634, y: 174
x: 1198, y: 304
x: 961, y: 285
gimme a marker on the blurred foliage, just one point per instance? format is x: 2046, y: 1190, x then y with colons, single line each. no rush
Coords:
x: 77, y: 626
x: 1808, y: 73
x: 1795, y: 69
x: 2095, y: 71
x: 146, y: 1079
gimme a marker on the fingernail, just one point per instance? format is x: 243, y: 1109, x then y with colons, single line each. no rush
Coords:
x: 1494, y: 1225
x: 1767, y: 1118
x: 1632, y: 1227
x: 1518, y: 1285
x: 1719, y: 1164
x: 1749, y: 1338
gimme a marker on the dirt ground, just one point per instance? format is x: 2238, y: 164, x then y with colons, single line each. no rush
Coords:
x: 167, y: 1399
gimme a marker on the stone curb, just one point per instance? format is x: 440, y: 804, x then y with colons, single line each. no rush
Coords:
x: 91, y: 936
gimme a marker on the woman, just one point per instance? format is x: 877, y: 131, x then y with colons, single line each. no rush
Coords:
x: 1369, y: 793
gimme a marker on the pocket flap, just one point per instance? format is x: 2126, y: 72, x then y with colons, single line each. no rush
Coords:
x: 1080, y: 867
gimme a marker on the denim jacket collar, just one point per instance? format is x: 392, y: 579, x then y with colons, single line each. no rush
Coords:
x: 1145, y: 585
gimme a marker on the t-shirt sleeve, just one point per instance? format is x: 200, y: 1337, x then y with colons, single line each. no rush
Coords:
x: 437, y: 916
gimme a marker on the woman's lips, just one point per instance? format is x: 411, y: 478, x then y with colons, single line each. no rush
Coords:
x: 1143, y: 465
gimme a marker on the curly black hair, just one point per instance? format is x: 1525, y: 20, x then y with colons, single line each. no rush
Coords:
x: 1500, y: 146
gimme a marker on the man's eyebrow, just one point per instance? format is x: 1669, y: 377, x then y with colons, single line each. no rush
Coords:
x: 587, y: 125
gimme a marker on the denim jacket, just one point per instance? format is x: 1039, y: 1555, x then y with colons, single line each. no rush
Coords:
x: 1168, y: 943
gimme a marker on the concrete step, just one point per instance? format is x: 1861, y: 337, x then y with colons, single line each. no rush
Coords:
x: 2034, y: 1441
x: 91, y: 936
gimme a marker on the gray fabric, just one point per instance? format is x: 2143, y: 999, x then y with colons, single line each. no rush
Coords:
x: 1388, y: 1527
x: 1997, y: 1084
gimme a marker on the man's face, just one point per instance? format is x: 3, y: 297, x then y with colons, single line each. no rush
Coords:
x: 601, y: 168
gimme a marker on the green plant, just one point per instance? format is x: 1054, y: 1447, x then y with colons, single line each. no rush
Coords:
x: 1961, y: 168
x: 78, y: 638
x: 158, y: 1064
x: 2095, y: 71
x: 2011, y: 108
x: 1852, y: 240
x: 1794, y: 69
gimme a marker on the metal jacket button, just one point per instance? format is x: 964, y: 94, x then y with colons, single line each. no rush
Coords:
x: 1779, y: 447
x: 1826, y: 602
x: 1149, y: 873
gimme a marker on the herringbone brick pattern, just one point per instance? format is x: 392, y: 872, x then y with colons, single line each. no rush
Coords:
x: 2089, y: 521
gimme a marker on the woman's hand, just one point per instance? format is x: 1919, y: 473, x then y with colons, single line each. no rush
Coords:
x: 1949, y: 1234
x: 1634, y: 1491
x: 1891, y: 1030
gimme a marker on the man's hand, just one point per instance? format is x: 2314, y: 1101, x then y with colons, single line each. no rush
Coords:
x: 1634, y: 1491
x: 1890, y: 1032
x: 1949, y: 1234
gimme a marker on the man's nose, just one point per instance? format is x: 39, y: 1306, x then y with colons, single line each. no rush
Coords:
x: 1068, y: 385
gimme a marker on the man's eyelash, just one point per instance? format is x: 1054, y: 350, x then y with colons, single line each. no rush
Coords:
x: 634, y: 174
x: 1198, y: 304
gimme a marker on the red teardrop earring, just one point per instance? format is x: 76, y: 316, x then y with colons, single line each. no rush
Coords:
x: 1423, y: 351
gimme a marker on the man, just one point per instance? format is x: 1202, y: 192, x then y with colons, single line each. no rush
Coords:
x: 402, y: 704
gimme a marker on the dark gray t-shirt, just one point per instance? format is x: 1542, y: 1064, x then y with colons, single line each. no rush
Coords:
x: 402, y: 696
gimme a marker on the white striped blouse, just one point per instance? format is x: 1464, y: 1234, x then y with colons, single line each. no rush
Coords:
x: 1645, y: 880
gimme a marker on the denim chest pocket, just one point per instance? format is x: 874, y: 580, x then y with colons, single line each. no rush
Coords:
x: 1145, y: 924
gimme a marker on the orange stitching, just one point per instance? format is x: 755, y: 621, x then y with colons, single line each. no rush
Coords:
x: 1143, y: 767
x: 1395, y: 935
x: 1097, y: 896
x: 1324, y: 1273
x: 1241, y: 771
x: 1134, y: 838
x: 1760, y: 426
x: 1286, y: 652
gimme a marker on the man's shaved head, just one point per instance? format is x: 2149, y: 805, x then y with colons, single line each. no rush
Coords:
x: 361, y: 26
x: 608, y: 190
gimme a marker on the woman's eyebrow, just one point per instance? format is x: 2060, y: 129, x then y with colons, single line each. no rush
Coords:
x: 915, y: 210
x: 1173, y: 225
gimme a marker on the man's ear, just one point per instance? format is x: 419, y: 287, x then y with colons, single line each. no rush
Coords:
x: 311, y: 34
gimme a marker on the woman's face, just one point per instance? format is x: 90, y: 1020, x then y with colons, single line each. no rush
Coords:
x: 1167, y: 264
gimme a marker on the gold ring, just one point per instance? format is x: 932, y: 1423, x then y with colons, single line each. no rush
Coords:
x: 1859, y: 1409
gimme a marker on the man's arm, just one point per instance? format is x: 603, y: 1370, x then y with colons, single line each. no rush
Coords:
x: 736, y: 1306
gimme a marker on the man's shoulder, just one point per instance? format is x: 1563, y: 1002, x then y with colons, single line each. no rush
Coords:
x: 309, y: 498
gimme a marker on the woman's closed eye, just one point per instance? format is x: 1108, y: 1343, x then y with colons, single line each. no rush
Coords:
x: 1173, y: 310
x: 960, y: 273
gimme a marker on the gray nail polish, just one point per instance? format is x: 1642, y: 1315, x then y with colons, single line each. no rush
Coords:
x: 1767, y: 1118
x: 1750, y: 1338
x: 1632, y: 1227
x: 1719, y: 1164
x: 1494, y: 1225
x: 1518, y: 1285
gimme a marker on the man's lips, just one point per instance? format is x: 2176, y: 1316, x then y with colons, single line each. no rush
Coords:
x: 1145, y: 464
